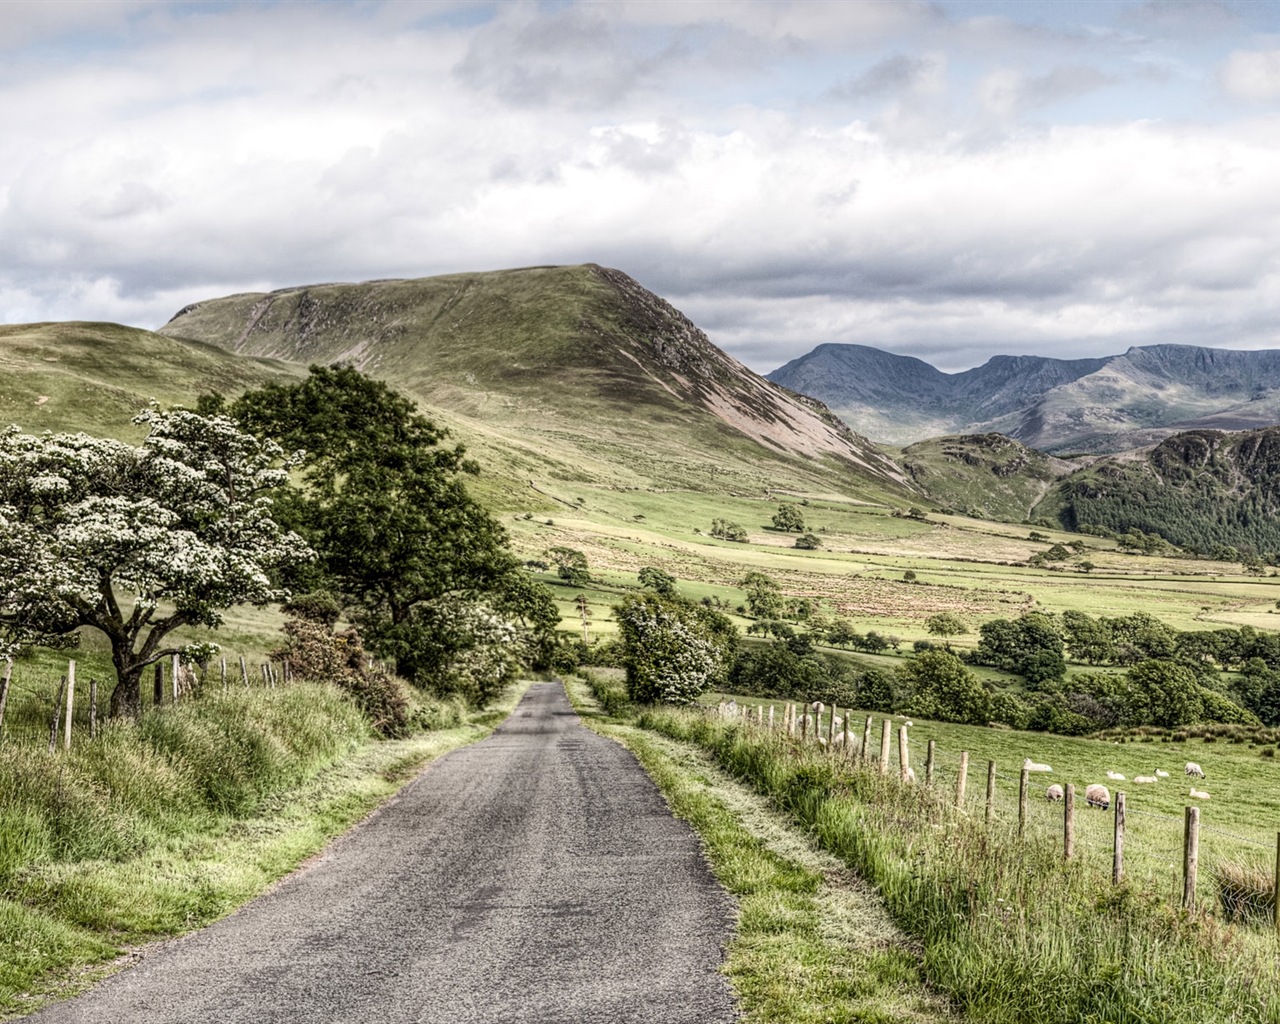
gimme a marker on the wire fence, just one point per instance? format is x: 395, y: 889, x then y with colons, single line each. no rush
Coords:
x: 1185, y: 859
x: 58, y: 706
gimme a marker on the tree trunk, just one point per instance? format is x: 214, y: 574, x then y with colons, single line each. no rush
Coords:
x: 126, y: 698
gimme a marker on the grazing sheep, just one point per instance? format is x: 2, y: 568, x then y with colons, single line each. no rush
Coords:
x: 1161, y: 774
x: 1097, y: 795
x: 1198, y: 794
x: 1144, y: 779
x: 1053, y: 793
x: 1115, y: 775
x: 1031, y: 766
x: 1194, y: 770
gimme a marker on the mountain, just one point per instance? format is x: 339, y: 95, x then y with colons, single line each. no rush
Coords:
x: 577, y: 373
x: 1201, y: 490
x: 1106, y: 404
x: 95, y: 377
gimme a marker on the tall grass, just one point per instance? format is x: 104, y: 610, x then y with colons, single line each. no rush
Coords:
x: 1011, y: 932
x: 174, y: 770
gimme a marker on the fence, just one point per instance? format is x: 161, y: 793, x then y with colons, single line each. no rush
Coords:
x: 1159, y: 851
x: 37, y: 703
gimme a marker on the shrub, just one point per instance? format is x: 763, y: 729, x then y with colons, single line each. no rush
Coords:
x: 673, y: 650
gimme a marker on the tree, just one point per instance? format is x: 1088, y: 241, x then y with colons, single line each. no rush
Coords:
x: 764, y: 599
x: 1030, y: 646
x: 672, y: 650
x: 1170, y: 690
x: 941, y: 687
x: 183, y: 523
x: 571, y: 565
x: 788, y: 518
x: 383, y: 502
x: 659, y: 582
x: 945, y: 624
x: 808, y: 542
x: 723, y: 529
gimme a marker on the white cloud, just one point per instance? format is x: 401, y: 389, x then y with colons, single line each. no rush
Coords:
x: 1252, y: 75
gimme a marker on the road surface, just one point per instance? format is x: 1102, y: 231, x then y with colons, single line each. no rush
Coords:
x: 536, y: 876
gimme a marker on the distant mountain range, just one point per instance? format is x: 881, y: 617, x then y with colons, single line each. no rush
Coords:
x: 1108, y: 404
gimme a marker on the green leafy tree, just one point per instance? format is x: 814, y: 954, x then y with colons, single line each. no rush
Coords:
x: 789, y: 518
x: 1170, y: 690
x: 764, y: 599
x: 672, y: 650
x: 138, y: 541
x: 945, y: 624
x: 1030, y: 645
x: 808, y: 542
x: 659, y: 582
x: 382, y: 499
x: 571, y: 565
x: 939, y: 686
x: 723, y: 529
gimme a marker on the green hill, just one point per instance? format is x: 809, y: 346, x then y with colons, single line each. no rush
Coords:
x: 1201, y: 490
x: 568, y: 373
x: 96, y: 376
x: 989, y: 476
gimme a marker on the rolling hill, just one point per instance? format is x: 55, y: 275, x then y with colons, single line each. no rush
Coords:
x: 1108, y: 404
x: 572, y: 373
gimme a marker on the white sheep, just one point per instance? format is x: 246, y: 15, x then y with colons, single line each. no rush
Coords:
x: 1194, y: 770
x: 1198, y: 794
x: 1031, y: 766
x: 1054, y: 793
x: 1116, y: 776
x: 1161, y: 773
x: 1145, y: 779
x: 1097, y: 795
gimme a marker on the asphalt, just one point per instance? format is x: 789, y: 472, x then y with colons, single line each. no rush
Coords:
x: 536, y: 876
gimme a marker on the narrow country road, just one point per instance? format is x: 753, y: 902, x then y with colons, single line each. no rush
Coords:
x: 536, y: 876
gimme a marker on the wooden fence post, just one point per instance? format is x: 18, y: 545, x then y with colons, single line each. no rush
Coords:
x: 962, y: 777
x: 865, y: 753
x: 1275, y: 891
x: 4, y: 691
x: 71, y: 690
x: 223, y: 662
x: 286, y: 675
x: 1069, y: 822
x: 848, y: 736
x: 93, y: 708
x: 831, y: 731
x: 244, y: 672
x: 1117, y: 860
x: 1190, y: 857
x: 886, y: 738
x: 157, y: 690
x: 804, y: 725
x: 904, y: 759
x: 57, y: 715
x: 175, y: 676
x: 928, y: 762
x: 1024, y: 780
x: 991, y: 792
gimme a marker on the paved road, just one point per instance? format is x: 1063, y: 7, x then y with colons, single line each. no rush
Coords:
x: 536, y: 876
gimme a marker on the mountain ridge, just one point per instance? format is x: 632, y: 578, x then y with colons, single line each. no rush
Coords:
x: 1102, y: 404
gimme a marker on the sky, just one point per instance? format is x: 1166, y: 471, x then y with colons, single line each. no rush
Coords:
x: 948, y: 180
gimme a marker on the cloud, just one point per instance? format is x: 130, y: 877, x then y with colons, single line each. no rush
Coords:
x: 894, y: 75
x: 1252, y: 75
x: 1006, y: 93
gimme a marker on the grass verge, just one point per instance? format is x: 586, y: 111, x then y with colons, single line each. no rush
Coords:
x: 813, y: 943
x: 66, y: 923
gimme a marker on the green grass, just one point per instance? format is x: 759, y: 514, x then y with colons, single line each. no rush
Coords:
x: 1008, y: 930
x: 812, y: 944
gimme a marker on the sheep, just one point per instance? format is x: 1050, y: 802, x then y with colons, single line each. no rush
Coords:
x: 1097, y: 795
x: 1031, y: 766
x: 1145, y: 779
x: 1194, y: 770
x: 1053, y: 793
x: 911, y: 775
x: 1161, y: 773
x: 1198, y: 794
x: 1116, y: 776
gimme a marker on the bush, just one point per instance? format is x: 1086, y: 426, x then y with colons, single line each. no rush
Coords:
x: 672, y: 650
x: 939, y: 686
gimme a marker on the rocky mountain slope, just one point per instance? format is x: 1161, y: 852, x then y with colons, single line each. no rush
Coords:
x: 578, y: 372
x: 1096, y: 405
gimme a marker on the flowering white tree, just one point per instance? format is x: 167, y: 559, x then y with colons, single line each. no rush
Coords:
x: 137, y: 541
